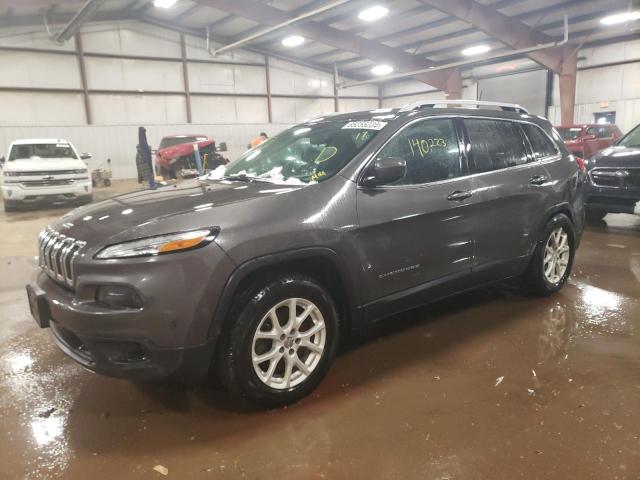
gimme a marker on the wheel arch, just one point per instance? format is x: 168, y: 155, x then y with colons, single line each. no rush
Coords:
x: 321, y: 263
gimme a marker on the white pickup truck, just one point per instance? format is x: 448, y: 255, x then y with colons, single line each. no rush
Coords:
x: 44, y: 170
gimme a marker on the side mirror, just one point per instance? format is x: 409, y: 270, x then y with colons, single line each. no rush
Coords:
x: 222, y: 147
x: 2, y: 160
x: 384, y: 171
x: 85, y: 156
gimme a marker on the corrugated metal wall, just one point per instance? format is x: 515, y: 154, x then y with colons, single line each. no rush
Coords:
x: 218, y: 106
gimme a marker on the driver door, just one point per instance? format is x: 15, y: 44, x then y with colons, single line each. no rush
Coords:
x: 420, y: 229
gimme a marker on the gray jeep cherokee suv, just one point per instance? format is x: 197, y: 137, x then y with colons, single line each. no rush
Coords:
x: 260, y: 267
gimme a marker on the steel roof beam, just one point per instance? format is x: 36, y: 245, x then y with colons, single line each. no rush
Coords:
x: 449, y: 81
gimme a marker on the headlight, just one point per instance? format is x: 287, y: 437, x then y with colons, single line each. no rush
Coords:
x: 81, y: 170
x: 159, y: 245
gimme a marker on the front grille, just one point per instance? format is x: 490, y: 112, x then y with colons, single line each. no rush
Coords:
x: 616, y: 177
x: 56, y: 255
x: 52, y: 172
x: 46, y: 183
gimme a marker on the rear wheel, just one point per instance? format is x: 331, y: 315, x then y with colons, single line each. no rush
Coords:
x: 10, y: 205
x: 282, y: 343
x: 552, y: 260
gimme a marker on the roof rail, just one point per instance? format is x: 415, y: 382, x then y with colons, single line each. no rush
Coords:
x: 507, y: 107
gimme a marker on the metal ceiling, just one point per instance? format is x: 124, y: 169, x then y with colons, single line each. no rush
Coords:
x: 413, y: 30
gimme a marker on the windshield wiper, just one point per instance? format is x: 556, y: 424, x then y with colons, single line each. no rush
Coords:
x: 243, y: 177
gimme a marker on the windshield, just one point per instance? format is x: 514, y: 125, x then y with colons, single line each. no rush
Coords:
x: 569, y: 134
x: 306, y: 153
x: 42, y: 150
x: 631, y: 139
x: 171, y: 141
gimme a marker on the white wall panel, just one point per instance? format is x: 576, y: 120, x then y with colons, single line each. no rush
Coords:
x: 26, y: 37
x: 41, y: 109
x: 401, y: 87
x: 120, y: 74
x: 39, y: 70
x: 296, y: 110
x: 291, y: 79
x: 354, y: 105
x: 398, y: 102
x: 197, y: 49
x: 229, y: 110
x: 368, y: 90
x: 131, y: 39
x: 215, y: 78
x: 138, y: 109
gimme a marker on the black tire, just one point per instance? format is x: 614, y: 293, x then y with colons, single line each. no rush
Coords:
x: 594, y: 215
x: 535, y: 281
x: 235, y: 367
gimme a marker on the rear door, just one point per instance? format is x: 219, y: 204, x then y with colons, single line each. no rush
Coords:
x: 419, y: 229
x: 511, y: 186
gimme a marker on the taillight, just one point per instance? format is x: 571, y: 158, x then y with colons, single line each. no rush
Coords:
x: 581, y: 165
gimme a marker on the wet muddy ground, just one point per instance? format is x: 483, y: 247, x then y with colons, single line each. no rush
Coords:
x: 486, y: 385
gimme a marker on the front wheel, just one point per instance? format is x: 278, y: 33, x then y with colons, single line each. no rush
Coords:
x: 552, y: 260
x: 282, y: 342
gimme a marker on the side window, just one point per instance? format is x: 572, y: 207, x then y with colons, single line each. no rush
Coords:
x: 603, y: 132
x: 430, y: 148
x: 495, y: 144
x: 542, y: 146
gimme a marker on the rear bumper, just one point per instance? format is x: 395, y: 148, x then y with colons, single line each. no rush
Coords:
x: 20, y: 193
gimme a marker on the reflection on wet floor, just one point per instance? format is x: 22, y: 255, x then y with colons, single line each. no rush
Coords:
x: 490, y: 384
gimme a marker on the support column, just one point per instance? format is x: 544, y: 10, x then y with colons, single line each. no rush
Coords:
x: 267, y: 70
x: 453, y: 87
x: 83, y: 78
x: 568, y: 87
x: 336, y: 102
x: 185, y: 76
x: 380, y: 96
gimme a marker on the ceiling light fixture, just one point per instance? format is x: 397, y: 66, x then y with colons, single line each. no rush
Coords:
x: 476, y: 50
x: 620, y: 18
x: 382, y: 70
x: 293, y: 41
x: 373, y: 13
x: 164, y: 3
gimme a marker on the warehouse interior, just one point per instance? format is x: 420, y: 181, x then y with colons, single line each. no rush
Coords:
x: 490, y: 383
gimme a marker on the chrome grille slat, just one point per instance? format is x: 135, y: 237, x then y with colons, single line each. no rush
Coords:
x: 56, y: 255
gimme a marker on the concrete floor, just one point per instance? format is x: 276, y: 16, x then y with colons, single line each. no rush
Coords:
x: 487, y: 385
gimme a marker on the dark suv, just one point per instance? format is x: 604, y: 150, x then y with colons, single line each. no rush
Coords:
x: 261, y: 266
x: 614, y: 175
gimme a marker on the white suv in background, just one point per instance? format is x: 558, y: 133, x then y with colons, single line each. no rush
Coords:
x: 49, y: 170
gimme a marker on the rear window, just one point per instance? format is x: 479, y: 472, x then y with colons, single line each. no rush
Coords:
x: 569, y: 134
x: 495, y: 144
x: 42, y: 150
x: 171, y: 141
x: 541, y: 144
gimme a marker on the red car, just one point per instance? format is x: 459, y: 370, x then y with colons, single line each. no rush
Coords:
x: 586, y: 140
x: 175, y: 155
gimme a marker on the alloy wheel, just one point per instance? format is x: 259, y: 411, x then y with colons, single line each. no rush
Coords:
x: 288, y: 343
x: 556, y: 255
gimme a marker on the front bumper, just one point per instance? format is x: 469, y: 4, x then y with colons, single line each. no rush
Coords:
x: 166, y: 339
x: 19, y: 193
x: 613, y: 199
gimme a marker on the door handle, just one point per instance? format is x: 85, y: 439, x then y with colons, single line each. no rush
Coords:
x: 458, y: 195
x: 538, y: 179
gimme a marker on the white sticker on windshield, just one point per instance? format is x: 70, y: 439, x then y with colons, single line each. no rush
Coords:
x: 365, y: 125
x: 62, y: 145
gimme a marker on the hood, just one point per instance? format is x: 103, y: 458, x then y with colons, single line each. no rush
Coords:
x: 37, y: 164
x: 186, y: 206
x: 616, y: 156
x: 182, y: 149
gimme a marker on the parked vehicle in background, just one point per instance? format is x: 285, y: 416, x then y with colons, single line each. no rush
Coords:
x: 614, y: 178
x: 44, y: 170
x: 586, y: 140
x: 330, y: 226
x: 175, y: 155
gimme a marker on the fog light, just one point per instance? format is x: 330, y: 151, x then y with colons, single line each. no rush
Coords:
x: 118, y: 296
